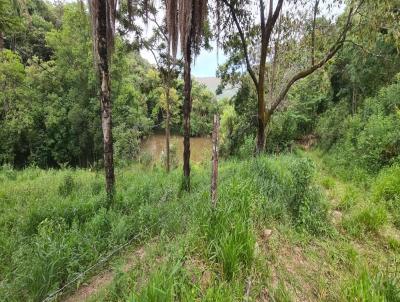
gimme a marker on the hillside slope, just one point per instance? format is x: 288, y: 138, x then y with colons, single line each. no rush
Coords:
x: 283, y: 230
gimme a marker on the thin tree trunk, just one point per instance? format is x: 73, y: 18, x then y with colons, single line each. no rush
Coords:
x: 313, y: 32
x: 214, y: 173
x: 187, y: 107
x: 167, y: 130
x: 261, y: 83
x: 105, y: 96
x: 1, y: 40
x: 261, y: 119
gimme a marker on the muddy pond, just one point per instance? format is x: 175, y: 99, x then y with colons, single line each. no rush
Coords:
x: 200, y: 147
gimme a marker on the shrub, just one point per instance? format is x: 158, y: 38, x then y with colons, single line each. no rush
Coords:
x: 127, y: 143
x: 366, y: 141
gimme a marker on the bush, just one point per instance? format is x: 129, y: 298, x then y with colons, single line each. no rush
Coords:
x: 127, y: 143
x: 367, y: 141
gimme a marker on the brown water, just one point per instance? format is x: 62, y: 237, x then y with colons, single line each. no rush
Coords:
x: 200, y: 147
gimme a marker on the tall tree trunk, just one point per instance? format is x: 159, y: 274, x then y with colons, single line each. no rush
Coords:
x: 167, y: 131
x: 261, y: 119
x: 187, y: 107
x: 105, y: 96
x: 261, y: 84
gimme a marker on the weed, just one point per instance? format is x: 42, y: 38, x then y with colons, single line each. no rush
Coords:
x: 67, y: 186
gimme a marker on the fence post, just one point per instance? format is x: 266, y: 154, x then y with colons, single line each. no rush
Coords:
x: 214, y: 173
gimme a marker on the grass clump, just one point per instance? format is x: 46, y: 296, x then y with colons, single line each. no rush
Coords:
x: 170, y: 283
x: 382, y: 286
x: 369, y: 218
x: 67, y: 186
x: 228, y: 229
x: 386, y: 189
x: 288, y: 185
x: 350, y: 198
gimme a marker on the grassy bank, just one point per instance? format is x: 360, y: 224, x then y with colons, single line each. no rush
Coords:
x: 284, y: 229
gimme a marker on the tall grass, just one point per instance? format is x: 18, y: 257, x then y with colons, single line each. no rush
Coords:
x: 55, y: 224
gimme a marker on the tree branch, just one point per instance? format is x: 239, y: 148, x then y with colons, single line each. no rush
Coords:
x: 272, y: 18
x: 306, y: 72
x: 243, y: 41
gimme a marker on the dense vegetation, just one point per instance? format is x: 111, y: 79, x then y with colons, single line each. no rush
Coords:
x: 49, y: 114
x: 308, y: 205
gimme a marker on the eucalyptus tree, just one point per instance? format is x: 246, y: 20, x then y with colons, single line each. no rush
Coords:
x: 185, y: 22
x: 103, y: 13
x: 253, y: 35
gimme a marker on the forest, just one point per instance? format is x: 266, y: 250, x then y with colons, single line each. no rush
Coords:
x: 124, y: 177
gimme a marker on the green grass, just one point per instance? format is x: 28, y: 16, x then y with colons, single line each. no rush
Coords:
x: 55, y: 224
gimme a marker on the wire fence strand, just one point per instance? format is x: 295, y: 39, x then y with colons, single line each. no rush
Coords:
x: 105, y: 257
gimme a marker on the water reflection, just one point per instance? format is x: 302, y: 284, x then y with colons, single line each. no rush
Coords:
x: 200, y: 147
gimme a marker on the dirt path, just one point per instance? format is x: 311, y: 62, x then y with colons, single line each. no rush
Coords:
x: 105, y: 278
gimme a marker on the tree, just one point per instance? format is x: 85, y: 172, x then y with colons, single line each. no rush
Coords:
x: 186, y: 18
x: 166, y: 67
x: 251, y: 44
x: 9, y: 20
x: 103, y: 26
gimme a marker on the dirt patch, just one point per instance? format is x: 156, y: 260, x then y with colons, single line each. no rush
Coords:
x: 104, y: 279
x: 199, y: 272
x: 93, y: 286
x: 337, y: 217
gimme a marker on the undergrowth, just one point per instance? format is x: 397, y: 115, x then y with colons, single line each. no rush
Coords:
x: 55, y: 224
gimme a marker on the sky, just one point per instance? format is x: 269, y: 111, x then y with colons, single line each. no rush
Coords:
x: 205, y: 64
